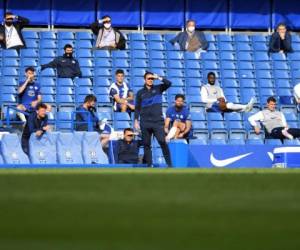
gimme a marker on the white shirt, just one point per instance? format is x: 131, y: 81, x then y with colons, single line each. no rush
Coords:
x: 210, y: 94
x: 12, y: 37
x: 259, y: 117
x: 108, y: 38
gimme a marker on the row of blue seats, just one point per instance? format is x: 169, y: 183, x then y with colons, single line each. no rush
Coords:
x: 69, y: 35
x: 53, y: 148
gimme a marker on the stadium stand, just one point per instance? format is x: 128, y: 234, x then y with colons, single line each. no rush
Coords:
x: 241, y: 62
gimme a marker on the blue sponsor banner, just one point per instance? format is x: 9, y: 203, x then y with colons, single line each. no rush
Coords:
x: 231, y: 156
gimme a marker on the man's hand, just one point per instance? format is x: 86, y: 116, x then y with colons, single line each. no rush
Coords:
x: 1, y: 37
x: 46, y: 128
x: 181, y: 135
x: 106, y: 19
x: 257, y: 130
x: 166, y: 130
x: 39, y: 133
x: 155, y: 76
x: 34, y: 103
x: 113, y: 45
x: 136, y: 125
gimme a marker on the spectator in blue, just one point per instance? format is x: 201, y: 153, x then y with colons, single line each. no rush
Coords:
x: 281, y: 40
x: 121, y: 94
x: 178, y: 124
x: 191, y: 39
x: 37, y: 123
x: 87, y: 119
x: 67, y: 66
x: 29, y: 94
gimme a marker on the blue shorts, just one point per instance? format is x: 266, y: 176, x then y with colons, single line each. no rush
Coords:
x: 214, y: 108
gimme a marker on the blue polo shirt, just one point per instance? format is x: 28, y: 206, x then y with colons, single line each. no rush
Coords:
x: 181, y: 115
x: 30, y: 94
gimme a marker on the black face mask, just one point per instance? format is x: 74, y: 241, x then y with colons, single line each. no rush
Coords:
x: 8, y: 23
x: 69, y: 54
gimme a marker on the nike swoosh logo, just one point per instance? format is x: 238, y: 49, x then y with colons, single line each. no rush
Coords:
x: 271, y: 156
x: 226, y: 162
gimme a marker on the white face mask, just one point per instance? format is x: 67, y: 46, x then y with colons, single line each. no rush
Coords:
x: 107, y: 25
x: 191, y: 29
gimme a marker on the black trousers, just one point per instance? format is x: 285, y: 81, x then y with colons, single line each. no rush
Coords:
x: 277, y: 134
x: 157, y: 129
x: 25, y: 144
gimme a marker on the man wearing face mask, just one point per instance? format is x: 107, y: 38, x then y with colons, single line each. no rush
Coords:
x: 10, y: 33
x: 107, y: 37
x: 215, y: 99
x: 67, y: 66
x: 190, y: 40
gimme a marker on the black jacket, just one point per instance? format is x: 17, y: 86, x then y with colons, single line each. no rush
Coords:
x: 67, y: 67
x: 128, y: 153
x: 34, y: 124
x: 275, y: 41
x: 121, y: 43
x: 19, y: 25
x: 148, y: 105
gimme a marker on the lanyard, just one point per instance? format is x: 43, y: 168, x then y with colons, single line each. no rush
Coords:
x: 9, y: 31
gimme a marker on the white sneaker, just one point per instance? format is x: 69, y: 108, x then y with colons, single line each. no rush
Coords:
x: 287, y: 134
x: 250, y: 104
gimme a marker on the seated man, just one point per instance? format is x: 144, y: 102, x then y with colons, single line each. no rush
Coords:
x: 191, y: 40
x: 67, y: 66
x: 179, y: 119
x: 87, y: 120
x: 37, y: 123
x: 215, y: 100
x: 107, y: 37
x: 121, y: 94
x: 29, y: 94
x: 281, y: 40
x: 274, y: 122
x: 128, y: 148
x: 11, y: 32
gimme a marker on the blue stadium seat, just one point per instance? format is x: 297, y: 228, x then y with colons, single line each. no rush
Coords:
x: 11, y: 62
x: 281, y: 74
x: 227, y: 56
x: 241, y: 38
x: 121, y: 63
x: 155, y: 45
x: 245, y: 65
x: 225, y: 46
x: 210, y: 37
x: 48, y: 44
x: 255, y: 142
x: 48, y: 35
x: 294, y: 142
x: 29, y: 62
x: 138, y: 45
x: 29, y: 34
x: 260, y: 47
x: 212, y: 65
x: 48, y: 53
x: 12, y: 150
x: 92, y: 149
x: 230, y: 83
x: 217, y: 142
x: 236, y: 142
x: 259, y: 38
x: 263, y: 65
x: 192, y: 64
x: 224, y: 38
x: 9, y: 71
x: 83, y: 44
x: 84, y: 35
x: 103, y: 62
x: 102, y: 54
x: 198, y: 142
x: 144, y: 54
x: 209, y: 56
x: 10, y: 53
x: 275, y: 142
x: 85, y: 62
x: 244, y: 56
x: 227, y: 65
x: 190, y: 56
x: 154, y: 37
x: 43, y: 150
x: 32, y: 43
x: 137, y: 37
x: 198, y: 116
x: 64, y: 121
x: 118, y: 54
x: 83, y: 53
x: 68, y: 148
x: 65, y: 35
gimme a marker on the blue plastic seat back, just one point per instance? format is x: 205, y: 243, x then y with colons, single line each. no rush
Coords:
x: 92, y: 149
x: 69, y: 149
x: 12, y: 150
x: 43, y: 150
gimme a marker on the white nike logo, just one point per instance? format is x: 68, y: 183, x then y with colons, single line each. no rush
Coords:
x: 225, y: 162
x: 271, y: 156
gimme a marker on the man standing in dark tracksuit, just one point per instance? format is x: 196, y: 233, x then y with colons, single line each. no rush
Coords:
x: 67, y: 66
x: 149, y: 110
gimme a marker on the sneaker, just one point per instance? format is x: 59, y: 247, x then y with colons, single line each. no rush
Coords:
x: 250, y: 104
x: 287, y: 134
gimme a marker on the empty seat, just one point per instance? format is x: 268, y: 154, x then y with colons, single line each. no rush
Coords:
x: 43, y: 150
x: 12, y: 150
x: 69, y: 149
x: 92, y: 149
